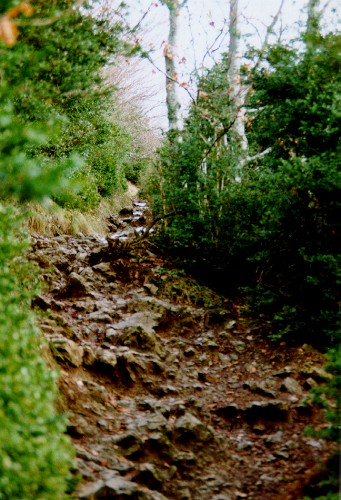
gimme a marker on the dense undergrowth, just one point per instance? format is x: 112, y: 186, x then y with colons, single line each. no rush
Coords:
x: 35, y: 456
x: 272, y: 236
x: 268, y: 235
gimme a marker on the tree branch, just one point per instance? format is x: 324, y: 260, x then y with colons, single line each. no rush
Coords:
x: 168, y: 76
x: 248, y: 159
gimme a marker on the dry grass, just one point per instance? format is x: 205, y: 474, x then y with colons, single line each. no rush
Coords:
x: 52, y: 220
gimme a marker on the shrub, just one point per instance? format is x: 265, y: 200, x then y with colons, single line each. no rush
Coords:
x: 35, y: 456
x: 273, y: 235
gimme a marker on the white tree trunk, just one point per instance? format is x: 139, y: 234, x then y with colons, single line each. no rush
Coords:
x: 172, y: 100
x: 236, y: 90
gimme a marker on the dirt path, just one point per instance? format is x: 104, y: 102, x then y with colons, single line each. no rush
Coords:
x: 169, y: 399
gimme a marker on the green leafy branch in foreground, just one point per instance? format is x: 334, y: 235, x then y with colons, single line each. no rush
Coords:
x: 35, y: 455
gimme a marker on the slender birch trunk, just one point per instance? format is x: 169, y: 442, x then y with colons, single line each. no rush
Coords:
x: 236, y: 90
x: 172, y: 100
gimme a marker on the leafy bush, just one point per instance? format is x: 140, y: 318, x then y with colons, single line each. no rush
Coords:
x: 325, y: 486
x: 274, y: 234
x: 53, y: 76
x: 35, y: 456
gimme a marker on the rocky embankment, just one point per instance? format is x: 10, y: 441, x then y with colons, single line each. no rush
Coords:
x: 169, y: 400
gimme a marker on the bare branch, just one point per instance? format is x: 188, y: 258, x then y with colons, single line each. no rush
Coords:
x: 138, y: 24
x: 168, y: 76
x: 269, y: 31
x: 249, y: 159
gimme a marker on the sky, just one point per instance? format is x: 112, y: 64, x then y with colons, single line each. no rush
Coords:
x: 201, y: 21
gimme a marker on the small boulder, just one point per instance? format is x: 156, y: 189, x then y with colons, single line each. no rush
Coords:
x: 190, y: 428
x: 76, y: 286
x: 104, y: 357
x: 139, y: 338
x: 149, y: 476
x: 89, y: 357
x: 66, y: 350
x: 130, y: 444
x: 291, y: 385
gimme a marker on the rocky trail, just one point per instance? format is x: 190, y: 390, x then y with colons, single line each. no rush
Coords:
x: 169, y: 398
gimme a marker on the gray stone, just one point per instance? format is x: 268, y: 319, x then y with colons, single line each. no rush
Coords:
x: 105, y: 268
x: 150, y: 495
x: 159, y: 443
x: 152, y: 305
x: 316, y: 372
x: 98, y: 392
x: 266, y: 387
x: 184, y: 458
x: 139, y: 319
x: 99, y: 316
x: 138, y: 337
x: 89, y: 490
x: 158, y: 423
x: 78, y: 425
x: 76, y: 285
x: 274, y: 438
x: 190, y: 352
x: 287, y: 370
x: 239, y: 345
x: 118, y: 486
x: 229, y: 324
x: 244, y: 444
x: 152, y: 289
x: 130, y: 444
x: 282, y: 454
x: 106, y: 358
x: 89, y: 357
x: 66, y: 350
x: 224, y: 358
x: 112, y: 333
x: 165, y: 390
x: 291, y: 385
x: 131, y: 366
x: 314, y: 443
x: 310, y: 383
x: 267, y: 410
x: 212, y: 345
x: 190, y: 428
x: 149, y: 476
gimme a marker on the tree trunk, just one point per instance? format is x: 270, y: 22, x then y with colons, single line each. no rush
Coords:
x: 236, y: 90
x: 172, y: 99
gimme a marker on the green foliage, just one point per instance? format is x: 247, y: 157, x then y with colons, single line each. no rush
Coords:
x: 53, y: 82
x: 35, y: 457
x: 22, y: 176
x: 328, y: 396
x: 108, y: 158
x: 299, y: 99
x: 274, y: 234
